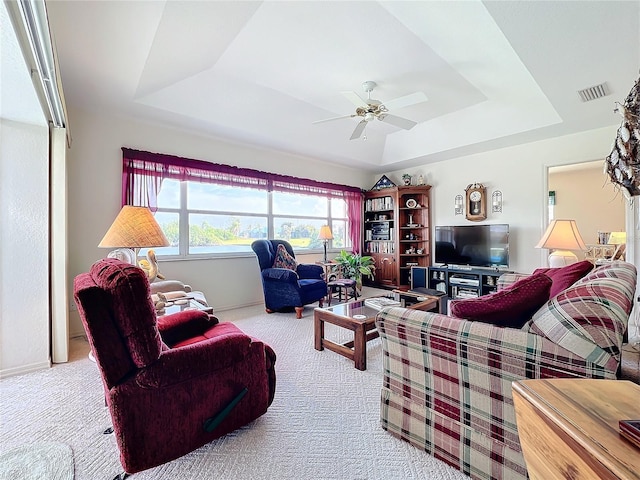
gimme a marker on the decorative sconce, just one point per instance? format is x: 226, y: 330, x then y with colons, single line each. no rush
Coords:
x: 458, y: 205
x: 496, y: 201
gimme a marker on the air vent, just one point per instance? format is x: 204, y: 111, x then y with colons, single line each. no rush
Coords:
x: 592, y: 93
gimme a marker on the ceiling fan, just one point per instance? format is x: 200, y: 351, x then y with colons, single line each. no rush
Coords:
x: 371, y: 109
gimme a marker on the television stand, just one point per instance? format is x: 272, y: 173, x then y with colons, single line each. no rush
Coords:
x: 462, y: 282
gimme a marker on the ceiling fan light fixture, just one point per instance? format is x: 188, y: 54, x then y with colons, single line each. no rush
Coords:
x: 369, y: 116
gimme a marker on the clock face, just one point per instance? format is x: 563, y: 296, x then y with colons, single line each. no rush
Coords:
x: 475, y: 196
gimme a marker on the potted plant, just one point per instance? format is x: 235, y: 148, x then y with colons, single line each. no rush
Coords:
x: 354, y: 266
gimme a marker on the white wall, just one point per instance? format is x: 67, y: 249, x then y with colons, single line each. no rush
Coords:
x: 24, y: 255
x: 520, y: 173
x: 95, y: 168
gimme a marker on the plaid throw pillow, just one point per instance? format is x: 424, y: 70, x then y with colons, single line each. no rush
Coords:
x: 284, y: 260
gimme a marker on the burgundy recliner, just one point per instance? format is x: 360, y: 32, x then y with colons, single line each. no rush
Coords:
x: 172, y: 384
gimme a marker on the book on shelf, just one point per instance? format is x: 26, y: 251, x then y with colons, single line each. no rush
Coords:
x: 378, y: 303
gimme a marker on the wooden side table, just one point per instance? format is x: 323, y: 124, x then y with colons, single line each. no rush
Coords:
x: 568, y: 428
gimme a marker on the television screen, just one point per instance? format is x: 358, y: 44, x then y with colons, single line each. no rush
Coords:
x: 473, y: 245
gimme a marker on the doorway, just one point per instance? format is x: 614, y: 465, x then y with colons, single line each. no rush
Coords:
x: 581, y: 192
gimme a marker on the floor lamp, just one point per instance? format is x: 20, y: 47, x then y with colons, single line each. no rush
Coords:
x: 561, y: 237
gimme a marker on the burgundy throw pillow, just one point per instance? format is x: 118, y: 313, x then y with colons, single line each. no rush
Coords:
x: 284, y: 260
x: 564, y: 277
x: 510, y: 307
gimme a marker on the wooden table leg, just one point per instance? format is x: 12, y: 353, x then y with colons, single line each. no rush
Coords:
x: 318, y: 330
x: 360, y: 347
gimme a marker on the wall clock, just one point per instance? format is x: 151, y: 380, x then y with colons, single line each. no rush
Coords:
x: 476, y: 202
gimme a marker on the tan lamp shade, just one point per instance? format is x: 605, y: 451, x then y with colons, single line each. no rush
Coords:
x: 134, y: 227
x: 562, y: 236
x: 325, y: 233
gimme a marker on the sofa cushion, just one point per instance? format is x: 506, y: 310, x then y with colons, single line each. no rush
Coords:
x: 283, y: 259
x: 590, y: 317
x: 564, y: 277
x: 509, y: 307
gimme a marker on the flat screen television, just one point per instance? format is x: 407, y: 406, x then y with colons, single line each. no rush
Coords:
x: 473, y: 245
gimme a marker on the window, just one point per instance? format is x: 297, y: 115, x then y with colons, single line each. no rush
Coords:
x: 220, y: 210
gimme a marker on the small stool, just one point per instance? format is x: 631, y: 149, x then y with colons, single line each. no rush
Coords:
x: 340, y: 284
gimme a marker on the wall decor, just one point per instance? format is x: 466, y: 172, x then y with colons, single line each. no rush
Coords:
x: 623, y: 163
x: 458, y: 205
x: 476, y: 202
x: 496, y: 202
x: 383, y: 182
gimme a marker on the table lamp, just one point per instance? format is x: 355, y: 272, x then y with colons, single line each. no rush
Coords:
x: 562, y: 236
x: 136, y: 228
x: 619, y: 239
x: 325, y: 235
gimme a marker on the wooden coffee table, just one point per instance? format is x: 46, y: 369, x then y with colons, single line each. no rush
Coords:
x: 360, y: 319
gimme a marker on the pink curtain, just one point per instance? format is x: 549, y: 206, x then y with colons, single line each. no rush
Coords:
x: 143, y: 172
x: 354, y: 215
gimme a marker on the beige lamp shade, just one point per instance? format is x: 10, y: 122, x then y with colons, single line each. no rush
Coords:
x: 134, y: 227
x: 617, y: 238
x: 325, y: 233
x: 562, y: 236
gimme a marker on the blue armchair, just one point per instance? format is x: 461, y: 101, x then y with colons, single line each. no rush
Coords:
x: 283, y: 288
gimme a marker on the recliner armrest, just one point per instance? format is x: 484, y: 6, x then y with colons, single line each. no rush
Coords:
x: 283, y: 274
x: 180, y: 326
x: 184, y: 363
x: 309, y: 270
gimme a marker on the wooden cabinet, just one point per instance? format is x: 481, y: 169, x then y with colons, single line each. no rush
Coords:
x: 397, y: 233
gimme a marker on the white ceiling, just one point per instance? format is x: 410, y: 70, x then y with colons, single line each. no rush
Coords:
x: 496, y: 73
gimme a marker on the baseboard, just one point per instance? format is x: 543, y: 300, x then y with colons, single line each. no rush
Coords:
x: 217, y: 309
x: 34, y: 367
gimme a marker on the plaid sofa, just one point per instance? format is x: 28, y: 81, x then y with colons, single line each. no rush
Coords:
x: 447, y: 381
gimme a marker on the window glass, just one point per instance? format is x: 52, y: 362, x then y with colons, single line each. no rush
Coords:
x: 299, y: 205
x: 218, y: 219
x: 223, y: 198
x: 338, y: 208
x: 300, y: 233
x: 209, y: 233
x: 169, y: 195
x: 340, y: 237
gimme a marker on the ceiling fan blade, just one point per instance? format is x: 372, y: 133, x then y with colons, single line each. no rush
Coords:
x: 398, y: 121
x: 359, y: 129
x: 354, y: 98
x: 334, y: 118
x: 407, y: 100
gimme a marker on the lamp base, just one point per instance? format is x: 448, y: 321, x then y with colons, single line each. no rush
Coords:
x: 562, y: 258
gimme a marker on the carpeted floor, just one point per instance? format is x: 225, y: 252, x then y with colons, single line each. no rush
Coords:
x: 323, y: 423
